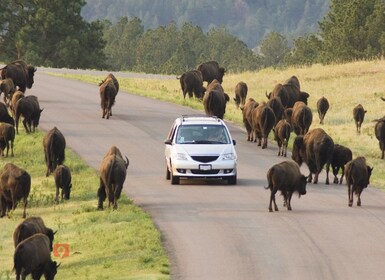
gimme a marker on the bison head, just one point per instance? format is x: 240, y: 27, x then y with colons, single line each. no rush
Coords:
x: 302, y: 185
x: 31, y: 73
x: 297, y: 150
x: 303, y: 96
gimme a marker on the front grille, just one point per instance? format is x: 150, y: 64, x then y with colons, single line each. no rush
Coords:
x: 204, y: 172
x: 205, y: 158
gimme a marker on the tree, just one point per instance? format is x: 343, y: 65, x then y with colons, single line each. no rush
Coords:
x: 274, y: 48
x: 306, y: 51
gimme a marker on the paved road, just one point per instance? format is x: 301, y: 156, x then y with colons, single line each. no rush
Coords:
x: 215, y: 231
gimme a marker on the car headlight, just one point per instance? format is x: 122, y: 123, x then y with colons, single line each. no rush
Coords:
x: 181, y: 156
x: 229, y: 156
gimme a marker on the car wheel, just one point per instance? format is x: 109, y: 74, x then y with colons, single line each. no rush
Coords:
x: 174, y: 179
x: 232, y: 180
x: 168, y: 174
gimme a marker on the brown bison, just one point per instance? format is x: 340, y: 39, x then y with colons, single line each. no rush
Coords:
x: 240, y: 94
x: 54, y: 145
x: 108, y: 93
x: 8, y: 88
x: 4, y: 115
x: 301, y: 118
x: 359, y: 115
x: 287, y: 178
x: 191, y: 82
x: 113, y: 170
x: 7, y: 137
x: 293, y: 80
x: 114, y: 80
x: 211, y: 71
x: 15, y: 97
x: 357, y: 178
x: 31, y: 226
x: 322, y: 108
x: 315, y: 148
x: 276, y: 104
x: 247, y: 110
x: 288, y: 94
x: 29, y: 108
x: 282, y: 135
x: 20, y: 73
x: 215, y: 99
x: 263, y: 120
x: 15, y: 184
x: 341, y: 156
x: 33, y: 256
x: 62, y: 176
x: 380, y: 134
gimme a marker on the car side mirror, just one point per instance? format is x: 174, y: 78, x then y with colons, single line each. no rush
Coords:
x: 234, y: 142
x: 168, y: 141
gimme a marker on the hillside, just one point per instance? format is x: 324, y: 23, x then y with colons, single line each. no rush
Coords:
x: 249, y: 20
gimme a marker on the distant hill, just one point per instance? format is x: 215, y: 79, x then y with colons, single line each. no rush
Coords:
x: 249, y: 20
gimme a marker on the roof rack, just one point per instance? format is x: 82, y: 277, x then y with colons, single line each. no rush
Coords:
x: 198, y: 116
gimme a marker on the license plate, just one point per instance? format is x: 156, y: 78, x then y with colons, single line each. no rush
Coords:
x: 204, y: 166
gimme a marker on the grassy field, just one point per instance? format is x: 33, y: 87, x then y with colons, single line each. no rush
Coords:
x: 122, y: 244
x: 344, y: 85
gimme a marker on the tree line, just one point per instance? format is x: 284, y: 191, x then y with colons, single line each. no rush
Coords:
x: 54, y: 34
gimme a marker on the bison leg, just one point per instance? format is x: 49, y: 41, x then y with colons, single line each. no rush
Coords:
x: 101, y: 195
x: 25, y: 207
x: 315, y: 181
x: 57, y: 195
x: 327, y: 172
x: 289, y: 201
x: 26, y: 125
x: 309, y: 178
x: 342, y: 175
x: 272, y: 199
x: 350, y: 195
x: 264, y: 146
x: 359, y: 198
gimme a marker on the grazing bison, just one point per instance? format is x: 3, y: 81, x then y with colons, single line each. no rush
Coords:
x: 8, y: 88
x: 247, y: 110
x: 191, y: 82
x: 301, y: 118
x: 282, y: 135
x: 54, y: 145
x: 215, y: 99
x: 380, y: 134
x: 108, y: 93
x: 15, y: 184
x: 62, y: 176
x: 31, y: 226
x: 322, y: 108
x: 29, y: 108
x: 7, y: 137
x: 276, y: 104
x: 315, y: 148
x: 359, y: 115
x: 211, y: 71
x: 341, y: 156
x: 357, y: 178
x: 263, y: 120
x: 240, y: 94
x: 4, y: 115
x: 113, y: 170
x: 33, y: 256
x: 20, y: 73
x: 288, y: 94
x: 287, y: 178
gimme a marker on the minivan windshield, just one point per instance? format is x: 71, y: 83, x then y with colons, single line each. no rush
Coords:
x: 202, y: 134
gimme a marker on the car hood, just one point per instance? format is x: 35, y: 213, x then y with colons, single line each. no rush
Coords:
x: 209, y: 149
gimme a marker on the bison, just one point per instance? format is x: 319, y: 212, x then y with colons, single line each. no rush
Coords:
x: 287, y: 178
x: 315, y: 148
x: 33, y: 256
x: 15, y: 97
x: 5, y: 116
x: 7, y: 137
x: 240, y: 94
x: 211, y: 71
x: 247, y: 110
x: 322, y: 108
x: 293, y: 80
x: 21, y: 73
x: 108, y: 93
x: 359, y: 115
x: 15, y: 184
x: 31, y: 226
x: 282, y: 135
x: 29, y: 108
x: 276, y: 104
x: 357, y: 178
x: 263, y: 120
x: 288, y: 94
x: 301, y: 118
x: 215, y: 99
x: 113, y: 170
x: 62, y: 176
x: 8, y: 88
x: 191, y: 82
x: 341, y: 156
x: 114, y: 80
x: 380, y: 134
x: 54, y: 145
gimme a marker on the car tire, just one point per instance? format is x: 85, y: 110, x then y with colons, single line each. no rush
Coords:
x: 174, y: 179
x: 168, y: 174
x: 232, y: 180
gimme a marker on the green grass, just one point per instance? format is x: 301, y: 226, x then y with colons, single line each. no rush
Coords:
x: 344, y: 85
x: 122, y: 244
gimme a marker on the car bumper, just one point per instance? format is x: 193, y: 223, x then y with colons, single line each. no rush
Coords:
x: 217, y: 169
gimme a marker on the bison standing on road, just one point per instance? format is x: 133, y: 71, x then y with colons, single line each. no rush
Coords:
x: 357, y: 178
x: 33, y: 256
x: 211, y: 71
x: 263, y: 120
x: 20, y: 73
x: 15, y: 184
x: 322, y: 108
x: 62, y: 176
x: 114, y: 80
x: 282, y: 135
x: 108, y: 93
x: 301, y: 118
x: 247, y: 110
x: 380, y: 134
x: 359, y: 115
x: 315, y: 148
x: 287, y: 178
x: 29, y: 108
x: 7, y: 137
x: 113, y: 170
x: 240, y: 94
x: 54, y: 145
x: 215, y: 99
x: 191, y: 82
x: 341, y: 156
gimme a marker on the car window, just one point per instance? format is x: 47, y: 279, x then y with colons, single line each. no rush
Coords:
x: 202, y: 134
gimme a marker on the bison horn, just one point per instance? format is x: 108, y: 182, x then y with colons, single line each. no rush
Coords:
x: 266, y: 94
x: 57, y: 266
x: 54, y: 232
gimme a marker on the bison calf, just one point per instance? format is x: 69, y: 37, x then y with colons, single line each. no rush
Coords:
x: 62, y: 176
x: 287, y: 178
x: 192, y: 82
x: 359, y: 115
x: 240, y: 94
x: 301, y: 118
x: 341, y: 156
x: 247, y: 110
x: 54, y: 145
x: 7, y: 137
x: 322, y: 108
x: 282, y: 135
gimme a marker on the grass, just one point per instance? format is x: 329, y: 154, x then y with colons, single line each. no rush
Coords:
x: 107, y: 244
x: 344, y: 85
